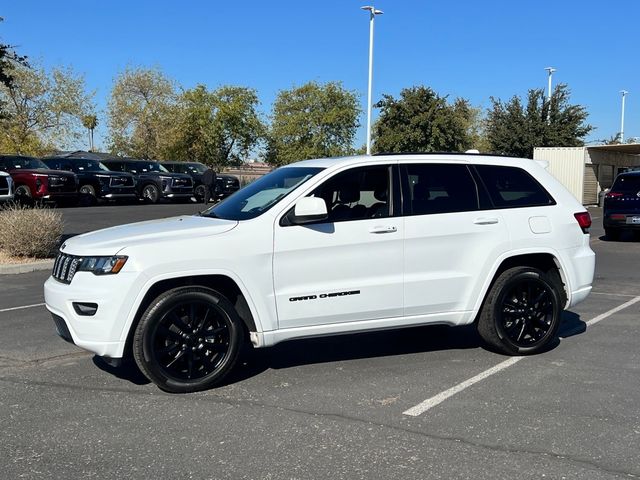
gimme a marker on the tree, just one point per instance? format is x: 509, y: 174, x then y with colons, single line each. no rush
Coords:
x: 43, y: 110
x: 142, y: 111
x: 219, y: 127
x: 515, y: 129
x: 312, y: 121
x: 422, y: 121
x: 90, y: 122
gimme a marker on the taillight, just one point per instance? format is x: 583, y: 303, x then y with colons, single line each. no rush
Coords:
x: 613, y: 195
x: 584, y: 220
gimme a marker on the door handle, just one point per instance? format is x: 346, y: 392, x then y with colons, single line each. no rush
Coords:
x: 485, y: 221
x: 380, y: 229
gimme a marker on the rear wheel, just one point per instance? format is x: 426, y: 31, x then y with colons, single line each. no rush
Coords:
x: 188, y: 339
x: 522, y: 312
x: 199, y: 192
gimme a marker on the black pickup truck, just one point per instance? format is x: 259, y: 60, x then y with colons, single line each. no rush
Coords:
x: 153, y: 181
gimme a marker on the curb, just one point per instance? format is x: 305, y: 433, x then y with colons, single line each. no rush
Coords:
x: 8, y: 269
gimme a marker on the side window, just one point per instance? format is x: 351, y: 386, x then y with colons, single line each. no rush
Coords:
x: 113, y: 166
x: 513, y: 187
x: 53, y: 164
x: 439, y: 188
x: 65, y: 165
x: 129, y: 167
x: 357, y: 194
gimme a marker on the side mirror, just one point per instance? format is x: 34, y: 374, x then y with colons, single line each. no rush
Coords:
x: 309, y: 209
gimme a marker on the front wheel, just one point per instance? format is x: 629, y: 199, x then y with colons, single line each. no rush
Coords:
x: 87, y: 195
x: 22, y: 195
x: 188, y: 339
x: 150, y: 193
x: 521, y: 313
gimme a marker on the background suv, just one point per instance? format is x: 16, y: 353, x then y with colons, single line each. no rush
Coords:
x: 622, y: 205
x: 153, y: 181
x: 325, y: 247
x: 95, y: 180
x: 225, y: 184
x: 34, y: 181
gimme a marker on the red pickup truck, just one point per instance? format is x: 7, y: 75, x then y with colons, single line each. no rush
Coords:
x: 35, y: 182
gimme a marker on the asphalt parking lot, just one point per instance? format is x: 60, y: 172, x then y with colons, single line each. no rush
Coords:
x: 419, y: 403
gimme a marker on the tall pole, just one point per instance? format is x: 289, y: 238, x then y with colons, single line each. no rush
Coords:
x: 372, y: 16
x: 550, y: 70
x: 624, y: 94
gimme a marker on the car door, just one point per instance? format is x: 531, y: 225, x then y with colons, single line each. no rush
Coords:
x: 452, y: 237
x: 346, y: 268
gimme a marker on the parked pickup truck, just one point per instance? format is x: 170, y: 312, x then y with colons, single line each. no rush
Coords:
x: 35, y: 182
x: 225, y: 184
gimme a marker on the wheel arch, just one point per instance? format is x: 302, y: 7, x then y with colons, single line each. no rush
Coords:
x: 224, y: 284
x: 546, y: 261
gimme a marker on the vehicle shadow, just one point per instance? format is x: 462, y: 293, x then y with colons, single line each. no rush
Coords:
x: 127, y: 371
x: 346, y: 347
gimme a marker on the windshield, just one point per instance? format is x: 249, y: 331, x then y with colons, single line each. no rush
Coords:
x: 150, y: 167
x: 197, y: 168
x: 259, y: 196
x: 27, y: 163
x: 88, y: 166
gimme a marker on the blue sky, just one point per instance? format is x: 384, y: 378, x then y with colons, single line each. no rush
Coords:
x: 468, y: 48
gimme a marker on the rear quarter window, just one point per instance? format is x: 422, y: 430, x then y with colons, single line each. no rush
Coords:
x: 510, y: 187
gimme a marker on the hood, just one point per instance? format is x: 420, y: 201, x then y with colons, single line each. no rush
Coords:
x: 37, y: 171
x: 110, y: 241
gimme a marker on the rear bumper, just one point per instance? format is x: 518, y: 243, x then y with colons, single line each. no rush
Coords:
x: 579, y: 268
x: 620, y: 219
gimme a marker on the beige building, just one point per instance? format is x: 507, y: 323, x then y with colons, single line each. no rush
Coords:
x: 586, y: 171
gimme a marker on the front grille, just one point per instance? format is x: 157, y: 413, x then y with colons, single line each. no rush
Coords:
x: 4, y: 186
x: 121, y: 182
x: 61, y: 328
x: 65, y: 267
x: 62, y: 184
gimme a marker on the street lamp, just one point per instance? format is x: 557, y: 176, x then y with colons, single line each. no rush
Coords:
x: 550, y: 70
x: 372, y: 15
x: 624, y: 94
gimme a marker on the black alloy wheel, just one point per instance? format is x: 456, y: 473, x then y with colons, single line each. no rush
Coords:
x: 522, y: 311
x: 188, y: 339
x: 150, y: 193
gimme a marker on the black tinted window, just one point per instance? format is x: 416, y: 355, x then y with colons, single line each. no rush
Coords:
x: 439, y: 188
x: 356, y: 194
x: 627, y: 183
x: 512, y: 187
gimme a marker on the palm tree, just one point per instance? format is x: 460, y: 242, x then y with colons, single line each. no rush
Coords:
x: 90, y: 122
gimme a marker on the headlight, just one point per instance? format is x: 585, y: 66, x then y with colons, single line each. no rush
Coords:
x: 102, y: 265
x: 104, y: 178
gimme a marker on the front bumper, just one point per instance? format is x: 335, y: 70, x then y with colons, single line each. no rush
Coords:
x: 101, y: 333
x: 120, y: 195
x: 178, y: 195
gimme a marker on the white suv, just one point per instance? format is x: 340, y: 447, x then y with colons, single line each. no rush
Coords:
x: 330, y: 246
x: 6, y: 187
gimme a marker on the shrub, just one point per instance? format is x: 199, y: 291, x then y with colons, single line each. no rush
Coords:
x: 29, y: 232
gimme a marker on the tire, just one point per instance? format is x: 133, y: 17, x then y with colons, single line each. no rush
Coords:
x: 150, y: 193
x: 22, y: 195
x: 612, y: 234
x: 87, y: 195
x: 522, y: 311
x: 171, y: 346
x: 199, y: 193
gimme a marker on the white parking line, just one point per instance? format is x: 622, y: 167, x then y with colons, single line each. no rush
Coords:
x: 21, y: 307
x: 442, y: 396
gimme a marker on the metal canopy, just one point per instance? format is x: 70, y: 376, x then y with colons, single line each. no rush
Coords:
x: 627, y: 148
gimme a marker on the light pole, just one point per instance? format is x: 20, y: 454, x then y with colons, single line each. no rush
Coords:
x: 372, y: 16
x: 624, y: 94
x: 550, y: 70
